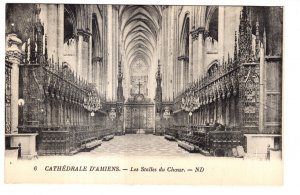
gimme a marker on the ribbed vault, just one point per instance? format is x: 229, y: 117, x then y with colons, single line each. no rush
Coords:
x: 140, y: 27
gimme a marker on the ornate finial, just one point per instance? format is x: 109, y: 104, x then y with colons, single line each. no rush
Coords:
x: 245, y: 13
x: 120, y: 97
x: 158, y: 91
x: 257, y: 48
x: 37, y: 9
x: 245, y: 37
x: 120, y: 75
x: 158, y: 74
x: 223, y: 61
x: 228, y: 60
x: 235, y: 47
x: 264, y: 38
x: 257, y: 27
x: 26, y: 52
x: 13, y: 52
x: 46, y: 50
x: 119, y: 67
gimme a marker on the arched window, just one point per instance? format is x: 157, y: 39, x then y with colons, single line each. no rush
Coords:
x: 211, y: 26
x: 186, y: 37
x: 70, y: 36
x: 69, y: 24
x: 96, y: 37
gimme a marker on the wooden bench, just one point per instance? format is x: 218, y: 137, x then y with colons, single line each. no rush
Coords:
x: 169, y: 137
x: 93, y: 144
x: 86, y: 141
x: 187, y: 146
x: 108, y: 137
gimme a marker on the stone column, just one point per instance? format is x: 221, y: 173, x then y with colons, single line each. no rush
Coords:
x: 233, y: 110
x: 48, y: 112
x: 14, y: 55
x: 116, y: 51
x: 163, y: 51
x: 215, y: 110
x: 200, y: 52
x: 198, y: 62
x: 79, y: 55
x: 183, y: 60
x: 98, y: 76
x: 180, y: 75
x: 168, y: 53
x: 172, y: 54
x: 109, y: 94
x: 52, y: 31
x: 190, y: 62
x: 261, y: 90
x: 102, y: 89
x: 220, y: 110
x: 221, y: 30
x: 227, y: 111
x: 195, y: 54
x: 90, y: 65
x: 96, y: 73
x: 60, y: 32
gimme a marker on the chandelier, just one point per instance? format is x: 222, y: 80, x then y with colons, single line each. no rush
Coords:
x: 92, y: 102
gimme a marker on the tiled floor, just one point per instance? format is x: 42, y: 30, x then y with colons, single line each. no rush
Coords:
x: 138, y: 145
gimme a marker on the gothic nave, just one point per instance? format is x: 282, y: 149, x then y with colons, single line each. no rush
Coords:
x: 208, y: 79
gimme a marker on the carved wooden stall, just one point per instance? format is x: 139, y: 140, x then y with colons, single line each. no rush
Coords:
x: 60, y: 106
x: 54, y: 107
x: 229, y: 96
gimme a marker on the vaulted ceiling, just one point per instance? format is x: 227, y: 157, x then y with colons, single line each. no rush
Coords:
x: 140, y: 25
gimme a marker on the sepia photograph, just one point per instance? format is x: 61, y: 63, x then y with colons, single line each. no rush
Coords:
x: 143, y: 94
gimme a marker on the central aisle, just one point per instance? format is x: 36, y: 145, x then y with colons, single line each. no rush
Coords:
x: 139, y: 145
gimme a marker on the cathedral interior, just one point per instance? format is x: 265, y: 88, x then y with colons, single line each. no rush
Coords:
x: 206, y: 77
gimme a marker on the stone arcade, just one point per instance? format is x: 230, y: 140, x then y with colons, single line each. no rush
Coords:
x: 208, y: 77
